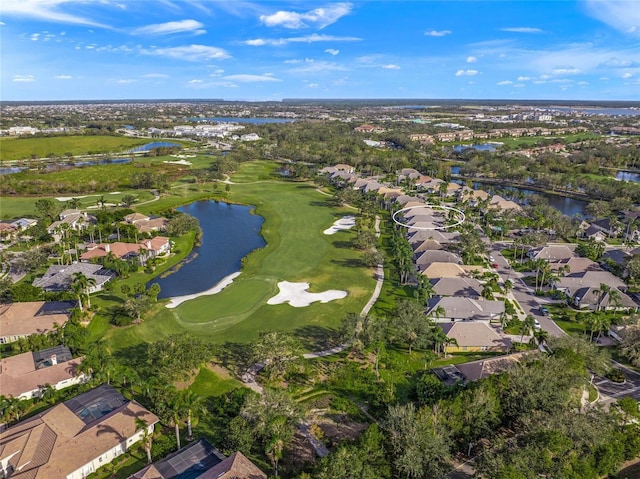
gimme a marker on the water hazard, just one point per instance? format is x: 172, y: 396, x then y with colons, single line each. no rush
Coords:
x: 229, y: 233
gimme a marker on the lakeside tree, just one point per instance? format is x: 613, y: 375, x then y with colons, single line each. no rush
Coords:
x: 278, y: 352
x: 182, y: 224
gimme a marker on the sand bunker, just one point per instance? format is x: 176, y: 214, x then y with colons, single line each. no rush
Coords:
x: 69, y: 198
x: 223, y: 283
x: 179, y: 162
x: 296, y: 295
x: 345, y: 223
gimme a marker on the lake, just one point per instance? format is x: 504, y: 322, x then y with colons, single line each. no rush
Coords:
x: 480, y: 147
x: 229, y: 233
x: 628, y: 176
x: 155, y: 144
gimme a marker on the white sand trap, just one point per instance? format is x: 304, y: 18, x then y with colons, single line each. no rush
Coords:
x: 67, y: 198
x: 179, y: 162
x: 223, y: 283
x: 115, y: 193
x: 345, y: 223
x: 296, y: 295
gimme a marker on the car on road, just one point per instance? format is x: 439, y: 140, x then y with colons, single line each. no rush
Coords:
x: 544, y: 311
x: 491, y: 258
x: 495, y: 265
x: 536, y: 324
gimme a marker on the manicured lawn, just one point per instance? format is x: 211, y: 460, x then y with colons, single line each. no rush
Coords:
x: 295, y: 216
x: 208, y: 383
x: 23, y: 148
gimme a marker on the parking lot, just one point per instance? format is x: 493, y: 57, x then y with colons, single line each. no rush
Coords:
x: 610, y: 391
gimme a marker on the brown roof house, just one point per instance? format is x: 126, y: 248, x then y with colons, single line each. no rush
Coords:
x: 73, y: 439
x: 20, y: 320
x: 474, y: 336
x: 27, y: 375
x: 457, y: 308
x: 200, y: 460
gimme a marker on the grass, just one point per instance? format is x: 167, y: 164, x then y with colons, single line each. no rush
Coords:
x: 208, y: 383
x: 295, y: 216
x: 24, y: 148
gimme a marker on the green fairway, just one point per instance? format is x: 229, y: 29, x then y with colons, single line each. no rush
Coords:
x: 25, y: 148
x: 297, y: 251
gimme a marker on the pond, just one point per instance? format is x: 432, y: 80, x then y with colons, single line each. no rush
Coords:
x: 155, y: 144
x: 229, y: 233
x: 628, y: 176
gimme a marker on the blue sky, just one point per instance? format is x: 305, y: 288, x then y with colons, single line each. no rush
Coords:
x: 269, y: 50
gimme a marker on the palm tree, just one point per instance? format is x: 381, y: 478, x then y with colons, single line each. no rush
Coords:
x: 507, y: 286
x: 528, y: 325
x: 487, y: 291
x: 80, y: 285
x: 193, y: 405
x: 601, y: 293
x: 147, y: 438
x: 541, y: 336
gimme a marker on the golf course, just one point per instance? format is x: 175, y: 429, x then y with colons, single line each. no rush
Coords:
x: 295, y: 216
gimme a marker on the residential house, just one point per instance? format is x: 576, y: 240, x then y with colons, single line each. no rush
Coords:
x: 20, y: 320
x: 442, y: 237
x: 143, y: 250
x: 27, y: 375
x: 497, y: 202
x: 200, y: 460
x: 59, y: 277
x: 449, y: 270
x: 436, y: 256
x: 594, y: 298
x: 476, y: 370
x: 427, y: 245
x: 73, y: 439
x: 458, y: 308
x: 474, y: 337
x: 24, y: 223
x: 607, y: 228
x: 74, y: 219
x: 8, y: 231
x: 465, y: 287
x: 146, y: 224
x: 552, y: 253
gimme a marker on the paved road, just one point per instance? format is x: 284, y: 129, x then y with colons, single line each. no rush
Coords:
x: 522, y: 293
x: 610, y: 391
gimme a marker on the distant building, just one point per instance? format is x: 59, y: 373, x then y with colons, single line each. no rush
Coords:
x: 73, y: 439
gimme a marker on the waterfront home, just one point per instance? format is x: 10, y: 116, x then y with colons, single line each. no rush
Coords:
x: 553, y: 253
x: 73, y: 439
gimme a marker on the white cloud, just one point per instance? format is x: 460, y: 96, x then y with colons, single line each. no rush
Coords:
x: 568, y: 70
x: 524, y: 78
x: 34, y: 37
x: 332, y: 51
x: 63, y: 77
x: 313, y: 38
x: 155, y: 75
x: 125, y: 81
x: 195, y: 81
x: 312, y: 66
x: 619, y: 14
x: 23, y: 78
x: 505, y: 82
x: 312, y: 85
x: 391, y: 66
x: 193, y: 53
x: 627, y: 75
x: 471, y: 59
x: 319, y: 17
x: 168, y: 28
x: 437, y: 33
x: 460, y: 73
x: 246, y: 78
x: 49, y: 10
x: 617, y: 63
x: 521, y: 30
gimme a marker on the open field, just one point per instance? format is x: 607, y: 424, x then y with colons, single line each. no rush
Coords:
x: 25, y: 148
x: 295, y: 216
